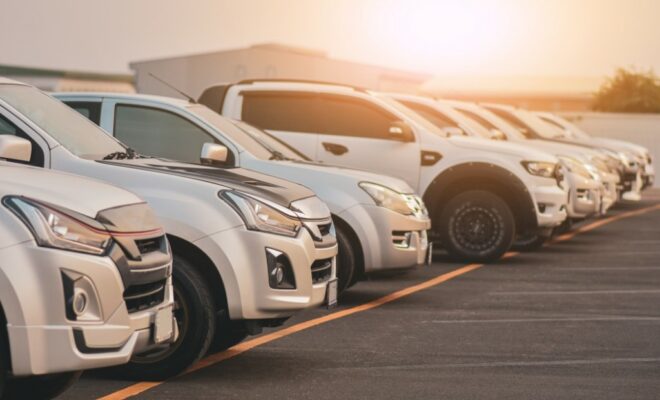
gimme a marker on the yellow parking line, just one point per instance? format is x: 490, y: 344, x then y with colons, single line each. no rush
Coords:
x: 247, y: 345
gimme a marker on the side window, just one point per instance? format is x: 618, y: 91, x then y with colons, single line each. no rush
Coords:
x: 482, y: 121
x: 347, y: 116
x: 431, y: 114
x: 513, y: 120
x: 282, y: 111
x: 160, y: 133
x: 90, y: 109
x: 8, y: 128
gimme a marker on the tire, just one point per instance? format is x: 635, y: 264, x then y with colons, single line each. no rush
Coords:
x: 564, y: 227
x: 196, y: 320
x: 41, y: 387
x: 476, y: 226
x: 346, y: 263
x: 530, y: 242
x: 228, y: 333
x: 4, y: 358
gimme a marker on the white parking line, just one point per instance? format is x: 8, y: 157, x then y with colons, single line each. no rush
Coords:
x: 575, y: 292
x: 533, y: 320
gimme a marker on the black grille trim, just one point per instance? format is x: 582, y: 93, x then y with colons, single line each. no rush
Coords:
x: 321, y: 270
x: 142, y: 297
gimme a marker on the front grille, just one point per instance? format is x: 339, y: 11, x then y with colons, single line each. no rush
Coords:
x: 146, y: 246
x: 142, y: 297
x: 321, y: 270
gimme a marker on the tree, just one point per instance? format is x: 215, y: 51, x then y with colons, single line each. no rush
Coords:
x: 629, y: 91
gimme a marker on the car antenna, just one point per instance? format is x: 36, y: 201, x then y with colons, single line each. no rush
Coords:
x: 181, y: 92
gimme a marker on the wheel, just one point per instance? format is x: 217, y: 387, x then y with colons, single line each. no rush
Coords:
x: 531, y: 241
x: 4, y: 360
x: 476, y: 226
x: 228, y: 333
x: 41, y: 387
x: 346, y: 263
x: 196, y: 319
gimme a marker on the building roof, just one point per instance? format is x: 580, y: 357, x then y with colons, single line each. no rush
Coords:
x: 17, y: 71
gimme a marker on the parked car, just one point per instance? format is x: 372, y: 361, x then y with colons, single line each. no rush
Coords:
x: 587, y: 194
x: 531, y: 127
x: 85, y: 276
x: 246, y: 248
x: 629, y: 153
x: 479, y: 194
x: 380, y: 223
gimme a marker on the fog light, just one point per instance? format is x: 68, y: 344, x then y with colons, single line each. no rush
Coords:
x: 79, y: 302
x: 280, y: 270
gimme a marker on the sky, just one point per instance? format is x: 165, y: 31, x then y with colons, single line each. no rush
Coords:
x: 577, y: 38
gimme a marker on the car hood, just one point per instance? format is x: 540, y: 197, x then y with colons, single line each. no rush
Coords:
x: 268, y: 187
x: 310, y: 174
x: 515, y: 149
x: 83, y: 195
x: 562, y: 148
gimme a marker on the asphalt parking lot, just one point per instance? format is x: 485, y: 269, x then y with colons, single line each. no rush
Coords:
x: 578, y: 319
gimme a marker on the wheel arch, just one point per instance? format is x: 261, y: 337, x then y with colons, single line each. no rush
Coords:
x: 340, y: 223
x: 482, y: 176
x: 5, y: 349
x: 204, y: 265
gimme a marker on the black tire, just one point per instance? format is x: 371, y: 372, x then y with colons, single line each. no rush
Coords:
x: 4, y: 358
x: 530, y: 242
x: 228, y: 333
x: 41, y: 387
x: 564, y: 227
x: 346, y: 263
x: 196, y: 320
x: 476, y: 226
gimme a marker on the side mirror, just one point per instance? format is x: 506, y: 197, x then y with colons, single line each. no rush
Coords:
x: 213, y: 153
x: 401, y: 131
x: 497, y: 134
x: 15, y: 148
x: 453, y: 131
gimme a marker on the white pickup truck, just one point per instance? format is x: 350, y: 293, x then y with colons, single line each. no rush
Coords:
x: 245, y: 251
x: 480, y: 194
x: 85, y: 276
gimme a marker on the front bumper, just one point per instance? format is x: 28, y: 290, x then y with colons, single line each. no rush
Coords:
x: 389, y: 240
x: 241, y: 257
x: 43, y: 339
x: 550, y: 205
x: 585, y: 196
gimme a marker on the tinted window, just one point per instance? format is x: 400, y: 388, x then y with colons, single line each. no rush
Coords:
x: 434, y: 116
x: 8, y: 128
x: 354, y: 117
x: 282, y: 111
x: 160, y: 133
x: 91, y: 110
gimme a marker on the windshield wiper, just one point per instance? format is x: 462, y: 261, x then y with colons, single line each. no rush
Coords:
x: 129, y: 154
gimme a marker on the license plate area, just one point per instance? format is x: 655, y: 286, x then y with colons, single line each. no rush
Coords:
x: 331, y: 294
x: 163, y: 325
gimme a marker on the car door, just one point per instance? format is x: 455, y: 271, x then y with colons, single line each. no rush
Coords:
x: 356, y: 134
x: 292, y: 116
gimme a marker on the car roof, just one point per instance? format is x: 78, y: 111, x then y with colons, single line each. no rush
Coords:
x: 7, y: 81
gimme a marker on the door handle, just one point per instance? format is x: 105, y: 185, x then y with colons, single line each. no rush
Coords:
x: 334, y: 148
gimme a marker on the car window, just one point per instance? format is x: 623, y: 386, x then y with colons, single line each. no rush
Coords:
x: 515, y: 121
x: 90, y: 109
x: 436, y: 117
x: 347, y: 116
x: 74, y: 132
x: 282, y: 111
x: 9, y: 128
x: 160, y: 133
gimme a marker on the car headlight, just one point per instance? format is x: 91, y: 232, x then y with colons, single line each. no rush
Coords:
x: 58, y: 228
x: 576, y: 167
x: 261, y: 215
x: 390, y: 199
x: 540, y: 168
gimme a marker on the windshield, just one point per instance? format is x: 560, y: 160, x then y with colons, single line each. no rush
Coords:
x: 415, y: 117
x: 70, y: 129
x: 259, y: 143
x: 493, y: 121
x: 540, y: 127
x: 567, y: 126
